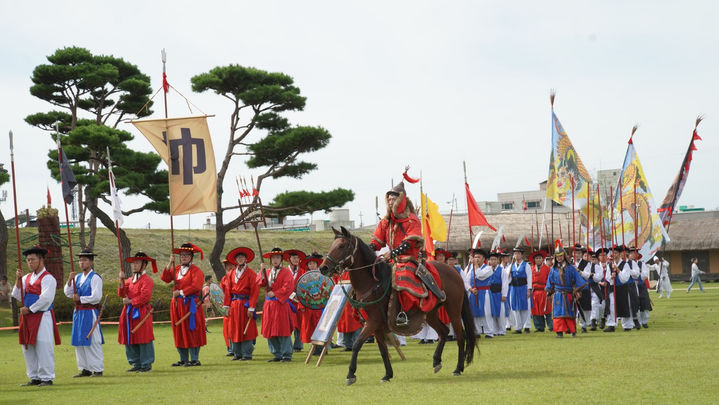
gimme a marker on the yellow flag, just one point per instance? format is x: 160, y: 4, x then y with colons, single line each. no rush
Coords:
x: 184, y: 144
x: 437, y: 226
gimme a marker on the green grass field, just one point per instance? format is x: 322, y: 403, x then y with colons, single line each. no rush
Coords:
x: 676, y: 360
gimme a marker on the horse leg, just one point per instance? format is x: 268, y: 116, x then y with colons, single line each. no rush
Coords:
x: 363, y: 336
x: 379, y: 337
x: 456, y: 320
x: 443, y: 332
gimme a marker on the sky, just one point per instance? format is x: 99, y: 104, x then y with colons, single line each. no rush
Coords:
x: 421, y: 83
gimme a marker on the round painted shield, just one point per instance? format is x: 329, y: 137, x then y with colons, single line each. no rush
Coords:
x: 217, y: 298
x: 313, y: 289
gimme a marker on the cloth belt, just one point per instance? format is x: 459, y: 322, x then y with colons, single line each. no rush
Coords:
x: 87, y: 306
x: 538, y: 286
x: 287, y: 301
x: 193, y: 309
x: 495, y: 288
x: 518, y: 282
x: 483, y: 288
x: 236, y: 297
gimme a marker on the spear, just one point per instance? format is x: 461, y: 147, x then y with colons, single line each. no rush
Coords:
x: 166, y: 88
x: 574, y: 240
x: 636, y: 218
x: 451, y: 209
x: 17, y: 225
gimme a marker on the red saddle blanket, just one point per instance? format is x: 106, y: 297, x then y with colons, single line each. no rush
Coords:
x: 411, y: 290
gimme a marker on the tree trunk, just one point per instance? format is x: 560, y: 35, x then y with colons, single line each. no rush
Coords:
x: 125, y: 244
x: 215, y: 260
x: 93, y: 229
x: 3, y: 245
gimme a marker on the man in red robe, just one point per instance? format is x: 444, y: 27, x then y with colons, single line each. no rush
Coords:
x: 294, y: 258
x: 401, y: 230
x: 229, y: 266
x: 38, y: 331
x: 186, y: 315
x: 541, y: 306
x: 241, y: 298
x: 277, y: 318
x: 135, y: 328
x: 349, y: 324
x: 310, y: 317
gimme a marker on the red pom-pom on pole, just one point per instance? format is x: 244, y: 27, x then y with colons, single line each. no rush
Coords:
x: 406, y: 176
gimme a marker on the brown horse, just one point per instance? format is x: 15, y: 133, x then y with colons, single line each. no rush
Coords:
x: 371, y: 280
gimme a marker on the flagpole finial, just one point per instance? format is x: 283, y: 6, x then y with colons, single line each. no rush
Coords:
x: 552, y: 95
x: 698, y: 121
x: 634, y: 129
x: 164, y: 55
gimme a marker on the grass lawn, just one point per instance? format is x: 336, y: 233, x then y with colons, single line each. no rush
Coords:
x: 676, y: 360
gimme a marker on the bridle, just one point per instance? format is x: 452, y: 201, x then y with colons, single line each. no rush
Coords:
x: 342, y: 264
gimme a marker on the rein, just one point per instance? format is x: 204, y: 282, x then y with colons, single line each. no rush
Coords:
x: 341, y: 265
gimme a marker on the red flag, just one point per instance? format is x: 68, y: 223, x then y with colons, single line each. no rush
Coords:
x: 524, y: 203
x: 255, y: 192
x: 476, y: 218
x: 49, y: 199
x: 165, y: 84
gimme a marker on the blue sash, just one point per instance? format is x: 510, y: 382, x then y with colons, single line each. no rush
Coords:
x: 294, y: 310
x: 32, y: 298
x: 82, y: 319
x: 193, y: 309
x: 130, y: 313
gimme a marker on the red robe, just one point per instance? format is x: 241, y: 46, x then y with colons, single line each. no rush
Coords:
x: 277, y: 315
x: 540, y: 305
x: 225, y: 320
x: 349, y: 320
x: 140, y: 292
x: 245, y: 293
x: 300, y: 308
x: 191, y: 285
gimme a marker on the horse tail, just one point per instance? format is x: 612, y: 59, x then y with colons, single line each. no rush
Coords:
x: 470, y: 338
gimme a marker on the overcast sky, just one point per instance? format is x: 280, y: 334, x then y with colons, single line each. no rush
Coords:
x: 428, y: 84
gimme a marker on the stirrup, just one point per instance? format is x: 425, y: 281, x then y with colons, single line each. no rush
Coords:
x: 402, y: 319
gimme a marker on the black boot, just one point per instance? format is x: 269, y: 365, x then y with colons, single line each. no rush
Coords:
x: 609, y: 329
x: 594, y: 325
x: 560, y: 335
x: 602, y: 323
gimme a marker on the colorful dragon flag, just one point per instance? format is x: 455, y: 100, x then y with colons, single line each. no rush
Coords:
x: 675, y: 190
x: 643, y: 217
x: 186, y: 147
x: 565, y: 166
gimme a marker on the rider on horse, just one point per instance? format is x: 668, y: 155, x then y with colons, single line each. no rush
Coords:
x: 401, y: 230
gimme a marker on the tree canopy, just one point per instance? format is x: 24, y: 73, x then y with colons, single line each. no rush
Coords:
x: 259, y: 98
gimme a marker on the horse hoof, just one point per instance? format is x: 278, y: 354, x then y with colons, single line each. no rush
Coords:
x: 351, y: 380
x: 457, y: 373
x: 437, y: 368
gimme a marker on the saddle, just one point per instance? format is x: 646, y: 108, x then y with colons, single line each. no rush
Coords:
x: 411, y: 298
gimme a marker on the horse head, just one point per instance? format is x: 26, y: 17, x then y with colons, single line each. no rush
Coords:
x: 341, y: 253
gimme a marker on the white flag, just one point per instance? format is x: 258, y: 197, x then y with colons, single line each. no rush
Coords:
x: 114, y: 197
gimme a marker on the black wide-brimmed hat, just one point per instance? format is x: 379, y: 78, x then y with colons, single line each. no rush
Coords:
x: 87, y: 252
x: 314, y: 257
x: 480, y: 251
x: 35, y: 250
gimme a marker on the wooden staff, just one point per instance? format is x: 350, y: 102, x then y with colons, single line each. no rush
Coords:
x: 589, y: 206
x: 97, y: 320
x: 67, y: 218
x: 621, y: 207
x: 117, y: 224
x: 574, y: 240
x: 17, y: 225
x: 145, y: 318
x: 165, y: 86
x: 247, y: 325
x: 464, y: 165
x: 451, y: 209
x: 636, y: 218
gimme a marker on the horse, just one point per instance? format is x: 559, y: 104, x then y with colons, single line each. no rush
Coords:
x: 371, y: 279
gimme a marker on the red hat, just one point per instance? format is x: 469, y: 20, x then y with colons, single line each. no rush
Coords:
x: 249, y: 254
x: 294, y: 252
x: 314, y: 257
x: 537, y: 253
x: 189, y: 247
x: 442, y: 251
x: 273, y: 252
x: 143, y: 257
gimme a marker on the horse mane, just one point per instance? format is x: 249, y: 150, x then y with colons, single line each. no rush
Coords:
x: 382, y: 270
